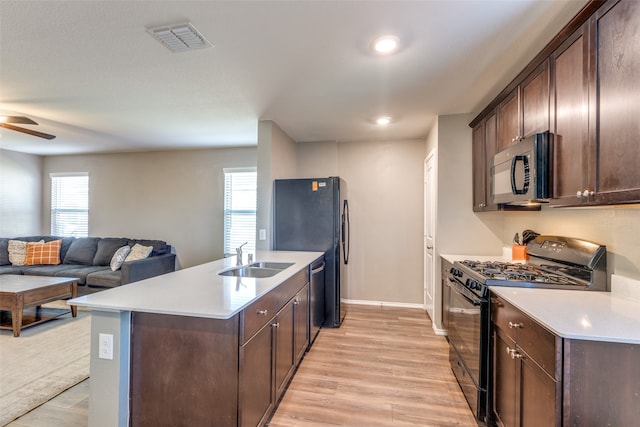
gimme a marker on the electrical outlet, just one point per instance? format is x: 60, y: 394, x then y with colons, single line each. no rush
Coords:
x: 105, y: 346
x: 262, y: 234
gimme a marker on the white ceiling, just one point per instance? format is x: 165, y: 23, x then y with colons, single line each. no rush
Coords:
x: 88, y: 72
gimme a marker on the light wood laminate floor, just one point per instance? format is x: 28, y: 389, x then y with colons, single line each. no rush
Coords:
x: 383, y: 367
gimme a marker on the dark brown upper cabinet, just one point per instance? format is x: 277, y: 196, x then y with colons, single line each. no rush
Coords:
x: 525, y: 110
x: 570, y: 123
x: 484, y: 148
x: 583, y: 87
x: 596, y: 85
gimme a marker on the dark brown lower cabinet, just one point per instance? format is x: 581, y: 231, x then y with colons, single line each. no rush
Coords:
x: 188, y: 371
x: 540, y: 379
x: 601, y: 383
x: 181, y: 368
x: 256, y: 391
x: 527, y: 370
x: 283, y: 335
x: 526, y: 394
x: 301, y: 319
x: 269, y: 358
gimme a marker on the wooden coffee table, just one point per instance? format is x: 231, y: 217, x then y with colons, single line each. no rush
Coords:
x: 18, y: 293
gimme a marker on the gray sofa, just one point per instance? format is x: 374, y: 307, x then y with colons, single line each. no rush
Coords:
x: 88, y: 259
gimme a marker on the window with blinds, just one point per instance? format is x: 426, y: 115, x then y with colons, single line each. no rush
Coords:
x: 70, y: 204
x: 240, y: 199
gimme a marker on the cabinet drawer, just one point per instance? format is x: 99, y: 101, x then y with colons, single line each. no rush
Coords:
x: 256, y: 315
x: 506, y: 317
x: 288, y: 289
x: 540, y: 344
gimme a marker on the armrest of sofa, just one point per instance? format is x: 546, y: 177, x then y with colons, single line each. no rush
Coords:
x: 133, y: 271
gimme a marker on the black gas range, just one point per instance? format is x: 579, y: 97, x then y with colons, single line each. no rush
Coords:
x: 554, y: 262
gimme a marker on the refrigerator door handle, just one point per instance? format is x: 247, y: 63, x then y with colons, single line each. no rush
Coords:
x: 346, y: 232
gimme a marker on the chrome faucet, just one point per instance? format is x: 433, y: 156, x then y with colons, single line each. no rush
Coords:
x: 239, y: 254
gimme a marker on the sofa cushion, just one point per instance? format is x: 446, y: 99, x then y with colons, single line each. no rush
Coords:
x: 4, y: 251
x: 64, y: 247
x: 46, y: 270
x: 159, y: 247
x: 138, y: 252
x: 17, y: 251
x: 11, y: 269
x: 43, y: 253
x: 118, y: 258
x: 105, y: 278
x: 81, y: 272
x: 106, y: 248
x: 82, y: 251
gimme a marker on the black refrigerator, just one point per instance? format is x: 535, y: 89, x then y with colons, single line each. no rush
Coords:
x: 312, y: 214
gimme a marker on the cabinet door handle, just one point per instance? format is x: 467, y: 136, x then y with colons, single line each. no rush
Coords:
x: 276, y: 325
x: 515, y: 325
x: 296, y: 301
x: 514, y: 353
x: 585, y: 193
x: 263, y: 312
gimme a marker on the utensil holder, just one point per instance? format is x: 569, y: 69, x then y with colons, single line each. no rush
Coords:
x: 519, y: 253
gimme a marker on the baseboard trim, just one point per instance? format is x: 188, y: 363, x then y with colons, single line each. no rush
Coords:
x: 383, y: 303
x: 438, y: 331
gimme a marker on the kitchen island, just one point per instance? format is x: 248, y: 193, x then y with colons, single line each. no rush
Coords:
x: 194, y: 345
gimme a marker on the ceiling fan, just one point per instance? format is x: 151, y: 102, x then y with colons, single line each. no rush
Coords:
x: 7, y: 123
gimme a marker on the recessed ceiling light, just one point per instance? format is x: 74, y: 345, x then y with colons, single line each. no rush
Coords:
x: 386, y: 45
x: 382, y: 121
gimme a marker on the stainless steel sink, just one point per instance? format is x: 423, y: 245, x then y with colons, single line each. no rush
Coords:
x: 260, y: 269
x: 271, y: 264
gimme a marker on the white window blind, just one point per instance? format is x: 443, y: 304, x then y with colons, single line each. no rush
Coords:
x: 70, y: 204
x: 240, y: 201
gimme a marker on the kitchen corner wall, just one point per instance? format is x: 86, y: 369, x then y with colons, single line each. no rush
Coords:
x: 20, y: 190
x: 277, y: 158
x: 616, y: 227
x: 384, y: 189
x: 458, y: 229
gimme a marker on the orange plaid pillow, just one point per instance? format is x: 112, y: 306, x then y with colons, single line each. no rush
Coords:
x: 43, y: 253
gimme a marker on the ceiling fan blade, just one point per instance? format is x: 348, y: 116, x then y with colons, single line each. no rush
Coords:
x: 28, y: 131
x: 17, y: 119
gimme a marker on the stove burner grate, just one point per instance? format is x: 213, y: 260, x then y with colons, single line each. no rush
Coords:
x: 519, y: 272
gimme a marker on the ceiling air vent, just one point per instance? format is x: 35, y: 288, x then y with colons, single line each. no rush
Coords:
x: 179, y: 38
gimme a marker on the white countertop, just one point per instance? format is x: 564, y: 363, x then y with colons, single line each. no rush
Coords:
x: 584, y: 315
x: 197, y: 291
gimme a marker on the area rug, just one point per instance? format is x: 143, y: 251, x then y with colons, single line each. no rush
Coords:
x: 44, y: 361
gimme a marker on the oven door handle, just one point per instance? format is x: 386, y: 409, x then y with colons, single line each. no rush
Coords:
x: 453, y: 284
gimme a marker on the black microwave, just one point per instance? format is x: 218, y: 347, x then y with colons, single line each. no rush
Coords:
x: 520, y: 174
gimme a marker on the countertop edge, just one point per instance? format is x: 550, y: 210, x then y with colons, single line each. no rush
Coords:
x: 162, y: 294
x: 588, y: 316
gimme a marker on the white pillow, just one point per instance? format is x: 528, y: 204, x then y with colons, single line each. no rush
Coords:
x: 118, y: 258
x: 18, y: 251
x: 138, y: 252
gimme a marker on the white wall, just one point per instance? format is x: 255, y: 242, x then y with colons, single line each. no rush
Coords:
x: 175, y: 196
x: 384, y: 188
x: 616, y: 227
x: 20, y: 194
x: 317, y: 159
x: 277, y: 154
x: 458, y: 229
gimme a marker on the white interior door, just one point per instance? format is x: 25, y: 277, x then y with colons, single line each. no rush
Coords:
x: 429, y: 232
